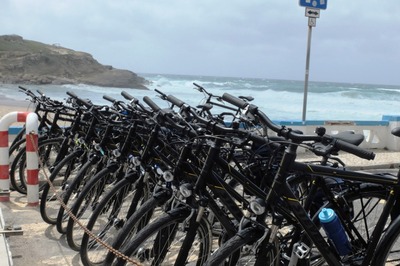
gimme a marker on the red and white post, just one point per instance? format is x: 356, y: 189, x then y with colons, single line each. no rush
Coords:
x: 31, y: 120
x: 32, y: 160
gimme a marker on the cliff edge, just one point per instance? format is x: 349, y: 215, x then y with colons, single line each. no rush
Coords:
x: 30, y: 62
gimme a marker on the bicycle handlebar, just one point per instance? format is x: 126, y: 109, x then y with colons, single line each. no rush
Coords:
x: 28, y: 92
x: 162, y: 94
x: 234, y: 100
x: 127, y: 96
x: 109, y: 98
x: 152, y: 104
x: 41, y: 93
x: 167, y: 117
x: 199, y: 88
x: 42, y: 102
x: 79, y: 100
x: 348, y: 147
x: 289, y: 134
x: 172, y: 99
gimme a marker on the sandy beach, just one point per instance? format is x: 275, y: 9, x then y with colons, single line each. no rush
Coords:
x: 9, y: 105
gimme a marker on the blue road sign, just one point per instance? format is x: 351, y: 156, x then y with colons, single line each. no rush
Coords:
x: 320, y: 4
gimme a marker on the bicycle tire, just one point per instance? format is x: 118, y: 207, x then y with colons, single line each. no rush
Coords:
x: 48, y: 149
x: 85, y: 204
x: 49, y: 205
x: 87, y: 171
x: 167, y: 235
x: 109, y: 218
x: 389, y: 248
x: 363, y: 203
x: 15, y: 148
x: 229, y: 253
x: 16, y: 180
x: 142, y: 216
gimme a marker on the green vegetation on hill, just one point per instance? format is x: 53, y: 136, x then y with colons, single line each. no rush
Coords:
x: 30, y: 62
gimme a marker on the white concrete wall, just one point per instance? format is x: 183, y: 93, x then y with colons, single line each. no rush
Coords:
x: 377, y: 133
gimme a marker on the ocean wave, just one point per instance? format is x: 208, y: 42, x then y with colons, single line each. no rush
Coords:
x: 391, y: 90
x: 279, y: 99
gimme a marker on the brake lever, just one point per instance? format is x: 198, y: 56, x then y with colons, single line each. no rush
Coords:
x: 161, y: 94
x: 320, y: 149
x: 326, y: 151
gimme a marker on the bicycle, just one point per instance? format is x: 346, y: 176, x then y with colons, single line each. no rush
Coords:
x: 281, y: 195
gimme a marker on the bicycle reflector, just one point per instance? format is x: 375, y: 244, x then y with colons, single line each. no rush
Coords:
x: 168, y: 176
x: 257, y: 206
x: 186, y: 190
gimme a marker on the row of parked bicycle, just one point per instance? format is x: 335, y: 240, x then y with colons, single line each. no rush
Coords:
x: 133, y: 182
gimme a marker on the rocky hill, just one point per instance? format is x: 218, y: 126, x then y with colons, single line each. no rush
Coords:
x: 30, y: 62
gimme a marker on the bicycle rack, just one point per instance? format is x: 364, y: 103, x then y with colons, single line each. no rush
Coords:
x: 32, y: 160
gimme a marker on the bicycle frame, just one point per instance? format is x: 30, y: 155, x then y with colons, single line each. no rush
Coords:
x: 281, y: 188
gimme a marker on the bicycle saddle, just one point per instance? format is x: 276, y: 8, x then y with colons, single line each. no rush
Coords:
x: 350, y: 137
x: 396, y: 131
x: 247, y: 98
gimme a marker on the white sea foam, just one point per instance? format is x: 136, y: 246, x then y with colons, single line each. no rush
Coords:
x: 279, y: 99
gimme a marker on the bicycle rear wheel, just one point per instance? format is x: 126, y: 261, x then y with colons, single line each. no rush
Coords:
x: 388, y: 252
x: 361, y: 206
x: 48, y: 150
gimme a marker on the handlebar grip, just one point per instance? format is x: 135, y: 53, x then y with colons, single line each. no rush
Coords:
x: 79, y: 100
x: 234, y: 100
x: 72, y: 94
x: 360, y: 152
x: 23, y: 88
x: 258, y: 139
x: 172, y: 99
x: 152, y: 104
x: 109, y: 98
x: 40, y: 92
x: 127, y: 95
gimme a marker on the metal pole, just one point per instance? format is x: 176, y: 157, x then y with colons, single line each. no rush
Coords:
x: 307, y: 73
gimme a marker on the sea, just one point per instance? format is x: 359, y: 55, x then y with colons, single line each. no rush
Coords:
x: 281, y: 100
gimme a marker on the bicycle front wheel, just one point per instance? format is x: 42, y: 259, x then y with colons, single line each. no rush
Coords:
x: 72, y: 192
x: 49, y: 203
x: 91, y: 195
x: 237, y: 251
x: 389, y: 248
x: 109, y: 218
x: 159, y: 242
x: 145, y: 214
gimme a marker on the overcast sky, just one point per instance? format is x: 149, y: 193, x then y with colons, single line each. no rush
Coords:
x: 354, y: 40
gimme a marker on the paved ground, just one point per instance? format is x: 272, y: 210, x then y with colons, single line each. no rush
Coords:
x: 41, y: 244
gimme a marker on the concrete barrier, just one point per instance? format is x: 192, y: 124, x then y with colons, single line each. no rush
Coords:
x: 377, y: 133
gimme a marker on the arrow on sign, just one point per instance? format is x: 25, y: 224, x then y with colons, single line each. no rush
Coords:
x: 310, y: 12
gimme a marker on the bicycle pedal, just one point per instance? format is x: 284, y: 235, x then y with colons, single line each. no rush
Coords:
x: 301, y: 250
